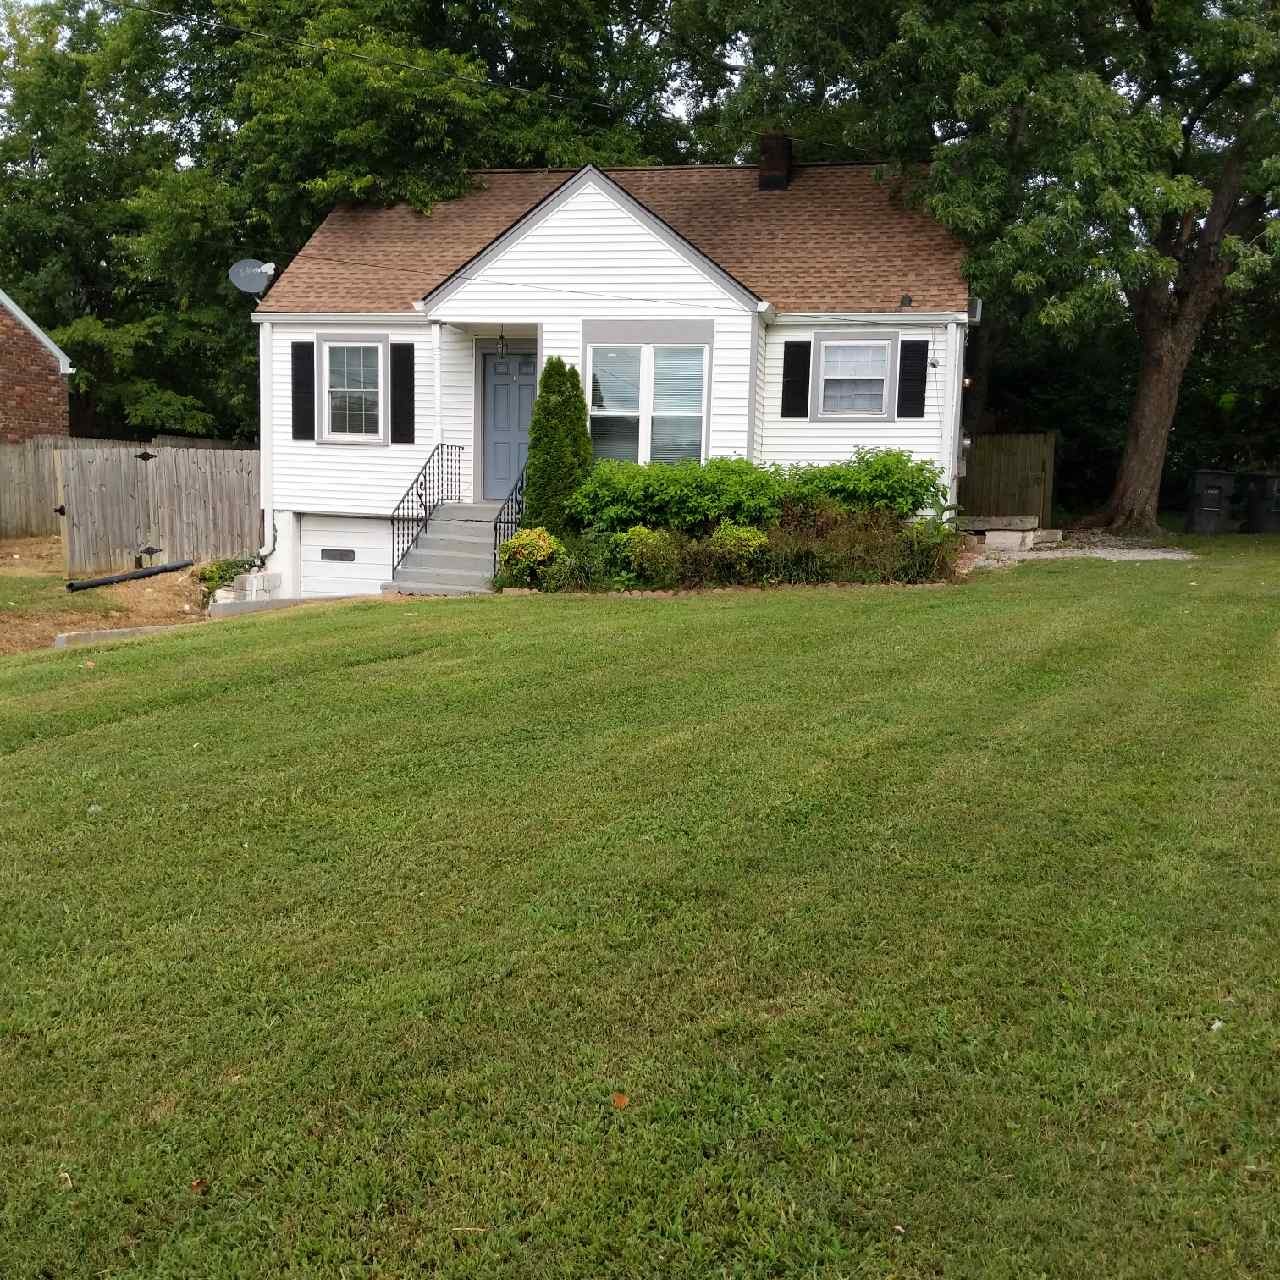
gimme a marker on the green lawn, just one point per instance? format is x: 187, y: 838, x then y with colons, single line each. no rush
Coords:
x: 900, y: 917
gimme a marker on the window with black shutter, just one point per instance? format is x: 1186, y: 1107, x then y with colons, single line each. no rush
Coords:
x: 303, y: 381
x: 795, y: 379
x: 402, y: 393
x: 913, y: 373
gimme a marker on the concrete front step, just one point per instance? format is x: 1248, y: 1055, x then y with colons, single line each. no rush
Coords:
x: 440, y: 573
x: 454, y: 555
x: 468, y: 512
x: 427, y: 558
x: 458, y: 537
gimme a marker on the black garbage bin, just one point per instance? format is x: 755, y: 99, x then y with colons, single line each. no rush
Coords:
x: 1262, y: 502
x: 1211, y: 508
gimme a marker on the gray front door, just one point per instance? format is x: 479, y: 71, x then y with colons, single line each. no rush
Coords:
x: 510, y: 383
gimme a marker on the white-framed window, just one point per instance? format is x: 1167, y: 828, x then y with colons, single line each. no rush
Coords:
x: 353, y: 379
x: 648, y: 401
x: 853, y: 378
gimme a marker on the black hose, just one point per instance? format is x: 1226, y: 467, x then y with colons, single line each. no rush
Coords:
x: 150, y: 572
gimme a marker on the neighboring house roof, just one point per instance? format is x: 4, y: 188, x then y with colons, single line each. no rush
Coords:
x: 834, y: 240
x: 64, y: 361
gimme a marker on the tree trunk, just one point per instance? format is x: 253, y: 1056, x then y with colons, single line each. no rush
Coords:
x: 1134, y: 499
x: 1170, y: 316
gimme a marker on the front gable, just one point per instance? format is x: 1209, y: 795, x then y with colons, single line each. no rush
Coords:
x: 591, y: 249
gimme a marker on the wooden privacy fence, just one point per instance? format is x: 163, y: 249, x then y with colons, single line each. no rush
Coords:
x: 29, y: 483
x: 1009, y: 475
x: 184, y: 504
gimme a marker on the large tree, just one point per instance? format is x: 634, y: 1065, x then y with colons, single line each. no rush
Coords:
x: 1092, y: 152
x: 145, y: 145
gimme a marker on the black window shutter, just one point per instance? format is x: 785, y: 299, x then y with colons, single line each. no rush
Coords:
x: 304, y: 390
x: 402, y: 393
x: 795, y: 379
x: 913, y: 372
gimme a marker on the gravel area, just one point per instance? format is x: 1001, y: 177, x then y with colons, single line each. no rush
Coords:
x: 1084, y: 544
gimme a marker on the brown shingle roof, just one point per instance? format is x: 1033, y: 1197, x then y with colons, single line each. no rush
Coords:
x: 835, y: 240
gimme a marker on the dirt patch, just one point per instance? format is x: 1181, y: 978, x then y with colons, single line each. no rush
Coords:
x: 35, y: 605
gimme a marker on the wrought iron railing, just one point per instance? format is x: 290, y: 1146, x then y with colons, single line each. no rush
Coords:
x: 440, y: 480
x: 507, y: 520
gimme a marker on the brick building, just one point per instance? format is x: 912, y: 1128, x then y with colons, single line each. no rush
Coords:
x: 33, y: 378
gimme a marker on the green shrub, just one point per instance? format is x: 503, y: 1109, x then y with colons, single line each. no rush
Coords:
x: 559, y: 447
x: 737, y: 552
x: 695, y: 498
x: 872, y: 480
x: 654, y: 557
x: 930, y: 550
x: 685, y: 497
x: 865, y: 546
x: 222, y: 573
x: 525, y: 558
x: 589, y: 563
x: 855, y: 547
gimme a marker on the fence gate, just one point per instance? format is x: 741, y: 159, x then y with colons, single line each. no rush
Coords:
x: 157, y: 504
x: 1009, y: 475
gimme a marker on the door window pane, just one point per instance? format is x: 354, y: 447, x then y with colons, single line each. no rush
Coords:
x: 616, y: 437
x: 615, y: 379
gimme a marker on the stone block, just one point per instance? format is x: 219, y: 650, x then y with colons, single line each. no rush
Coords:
x: 1010, y: 539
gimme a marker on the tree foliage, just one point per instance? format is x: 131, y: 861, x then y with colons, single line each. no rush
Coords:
x: 140, y: 155
x: 1095, y: 155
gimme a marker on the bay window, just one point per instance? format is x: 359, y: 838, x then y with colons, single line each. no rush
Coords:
x: 648, y: 401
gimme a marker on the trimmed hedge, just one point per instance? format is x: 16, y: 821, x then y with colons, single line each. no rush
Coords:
x: 688, y: 497
x: 864, y: 547
x: 695, y: 498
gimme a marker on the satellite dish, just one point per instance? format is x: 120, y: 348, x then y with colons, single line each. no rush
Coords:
x: 251, y: 276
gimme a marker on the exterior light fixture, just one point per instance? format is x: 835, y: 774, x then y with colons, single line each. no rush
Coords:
x: 905, y: 300
x: 502, y: 343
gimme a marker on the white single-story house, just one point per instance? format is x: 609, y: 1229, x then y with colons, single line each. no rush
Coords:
x: 782, y: 313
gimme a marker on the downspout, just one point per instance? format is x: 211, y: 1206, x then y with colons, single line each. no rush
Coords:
x: 955, y: 363
x: 266, y: 441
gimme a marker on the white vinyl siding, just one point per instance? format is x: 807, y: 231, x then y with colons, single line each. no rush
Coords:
x: 366, y: 542
x: 315, y: 475
x: 798, y: 440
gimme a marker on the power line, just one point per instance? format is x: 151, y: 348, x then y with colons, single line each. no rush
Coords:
x: 398, y: 64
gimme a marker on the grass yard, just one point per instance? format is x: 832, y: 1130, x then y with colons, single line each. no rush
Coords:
x: 829, y: 933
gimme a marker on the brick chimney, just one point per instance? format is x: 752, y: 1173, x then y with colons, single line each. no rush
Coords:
x: 775, y: 162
